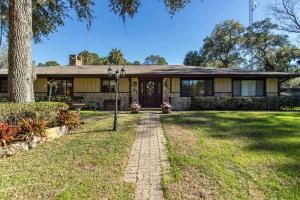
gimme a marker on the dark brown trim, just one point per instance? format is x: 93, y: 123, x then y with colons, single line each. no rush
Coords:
x: 150, y: 78
x: 195, y: 78
x: 242, y: 79
x: 99, y: 92
x: 101, y: 84
x: 55, y: 78
x: 175, y: 75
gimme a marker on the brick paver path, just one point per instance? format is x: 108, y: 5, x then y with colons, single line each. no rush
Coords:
x: 148, y: 159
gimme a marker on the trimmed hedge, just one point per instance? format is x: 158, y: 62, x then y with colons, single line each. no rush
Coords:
x: 65, y: 99
x: 13, y: 112
x: 244, y: 103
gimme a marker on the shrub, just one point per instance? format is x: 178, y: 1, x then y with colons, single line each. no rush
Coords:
x: 13, y: 112
x: 243, y: 103
x: 69, y: 118
x: 35, y: 126
x: 7, y: 133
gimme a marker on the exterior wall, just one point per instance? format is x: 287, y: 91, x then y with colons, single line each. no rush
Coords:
x: 166, y: 89
x: 90, y: 90
x: 41, y: 87
x: 178, y: 103
x: 124, y: 85
x: 101, y: 97
x: 223, y: 87
x: 134, y: 90
x: 175, y: 86
x: 272, y: 86
x: 86, y: 85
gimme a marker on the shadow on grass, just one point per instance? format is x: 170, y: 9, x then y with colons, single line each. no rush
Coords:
x: 274, y: 132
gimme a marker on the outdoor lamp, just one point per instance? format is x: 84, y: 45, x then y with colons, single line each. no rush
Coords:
x: 109, y: 71
x: 116, y: 75
x: 123, y: 72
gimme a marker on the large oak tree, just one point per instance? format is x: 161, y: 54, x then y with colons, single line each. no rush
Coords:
x: 26, y: 20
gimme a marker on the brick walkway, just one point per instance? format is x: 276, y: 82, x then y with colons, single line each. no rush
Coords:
x: 147, y: 159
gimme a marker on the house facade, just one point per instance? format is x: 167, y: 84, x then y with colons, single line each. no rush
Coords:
x: 151, y: 85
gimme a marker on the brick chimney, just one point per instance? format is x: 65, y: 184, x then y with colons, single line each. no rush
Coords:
x: 74, y: 60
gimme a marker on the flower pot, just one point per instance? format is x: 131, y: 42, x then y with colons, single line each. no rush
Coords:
x: 166, y: 110
x: 135, y: 110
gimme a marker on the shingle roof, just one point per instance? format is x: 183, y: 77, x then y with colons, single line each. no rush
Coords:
x: 153, y: 70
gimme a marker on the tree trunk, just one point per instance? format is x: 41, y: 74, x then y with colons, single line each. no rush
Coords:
x: 20, y: 71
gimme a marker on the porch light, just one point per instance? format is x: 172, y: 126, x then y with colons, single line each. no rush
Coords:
x: 123, y: 72
x: 166, y: 84
x: 109, y: 71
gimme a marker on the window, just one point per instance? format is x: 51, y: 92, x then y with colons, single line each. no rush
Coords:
x: 108, y: 85
x: 196, y: 87
x: 248, y: 88
x: 3, y: 86
x: 64, y: 87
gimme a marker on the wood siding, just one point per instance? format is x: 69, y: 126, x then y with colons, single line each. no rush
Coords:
x: 175, y: 87
x: 272, y: 86
x: 87, y: 85
x: 40, y: 85
x: 223, y: 86
x: 124, y: 85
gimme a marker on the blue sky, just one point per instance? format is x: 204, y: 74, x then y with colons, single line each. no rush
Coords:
x: 151, y: 31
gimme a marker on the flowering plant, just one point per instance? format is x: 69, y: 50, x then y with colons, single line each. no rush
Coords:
x: 135, y: 105
x: 166, y: 105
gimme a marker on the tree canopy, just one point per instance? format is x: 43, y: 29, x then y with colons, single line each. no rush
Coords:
x: 230, y: 45
x: 155, y: 60
x: 116, y: 57
x: 287, y: 14
x: 89, y: 58
x: 49, y: 15
x: 222, y: 47
x: 193, y: 58
x: 51, y: 63
x: 271, y: 51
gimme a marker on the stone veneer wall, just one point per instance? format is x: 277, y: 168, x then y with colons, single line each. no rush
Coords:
x: 180, y: 103
x: 166, y: 89
x: 134, y: 89
x: 100, y: 97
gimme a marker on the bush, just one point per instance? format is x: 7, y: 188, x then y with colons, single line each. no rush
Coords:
x: 8, y: 133
x: 69, y: 118
x: 14, y: 112
x: 65, y: 99
x: 243, y: 103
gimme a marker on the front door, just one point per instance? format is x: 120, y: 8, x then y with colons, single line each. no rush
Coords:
x: 150, y: 93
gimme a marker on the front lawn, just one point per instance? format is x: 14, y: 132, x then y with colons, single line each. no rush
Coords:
x: 233, y: 155
x: 86, y: 164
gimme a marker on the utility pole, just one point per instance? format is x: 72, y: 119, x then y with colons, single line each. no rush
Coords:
x: 252, y: 7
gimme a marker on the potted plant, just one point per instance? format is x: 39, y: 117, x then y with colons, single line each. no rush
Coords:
x: 135, y: 107
x: 166, y: 107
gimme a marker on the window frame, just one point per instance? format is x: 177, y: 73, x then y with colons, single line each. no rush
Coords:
x: 6, y: 90
x: 249, y: 79
x: 61, y: 79
x: 110, y: 80
x: 201, y: 79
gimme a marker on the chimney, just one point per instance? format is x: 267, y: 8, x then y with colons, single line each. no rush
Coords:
x: 74, y: 60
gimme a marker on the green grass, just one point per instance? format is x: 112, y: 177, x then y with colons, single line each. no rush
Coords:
x: 86, y: 164
x: 233, y: 155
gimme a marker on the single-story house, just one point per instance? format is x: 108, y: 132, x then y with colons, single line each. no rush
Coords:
x: 150, y: 85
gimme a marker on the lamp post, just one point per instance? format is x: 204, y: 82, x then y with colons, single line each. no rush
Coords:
x: 116, y: 75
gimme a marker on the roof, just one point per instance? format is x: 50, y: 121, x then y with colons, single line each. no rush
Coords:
x: 153, y: 70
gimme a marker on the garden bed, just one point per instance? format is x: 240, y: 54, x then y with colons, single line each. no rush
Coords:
x: 19, y: 146
x: 25, y: 126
